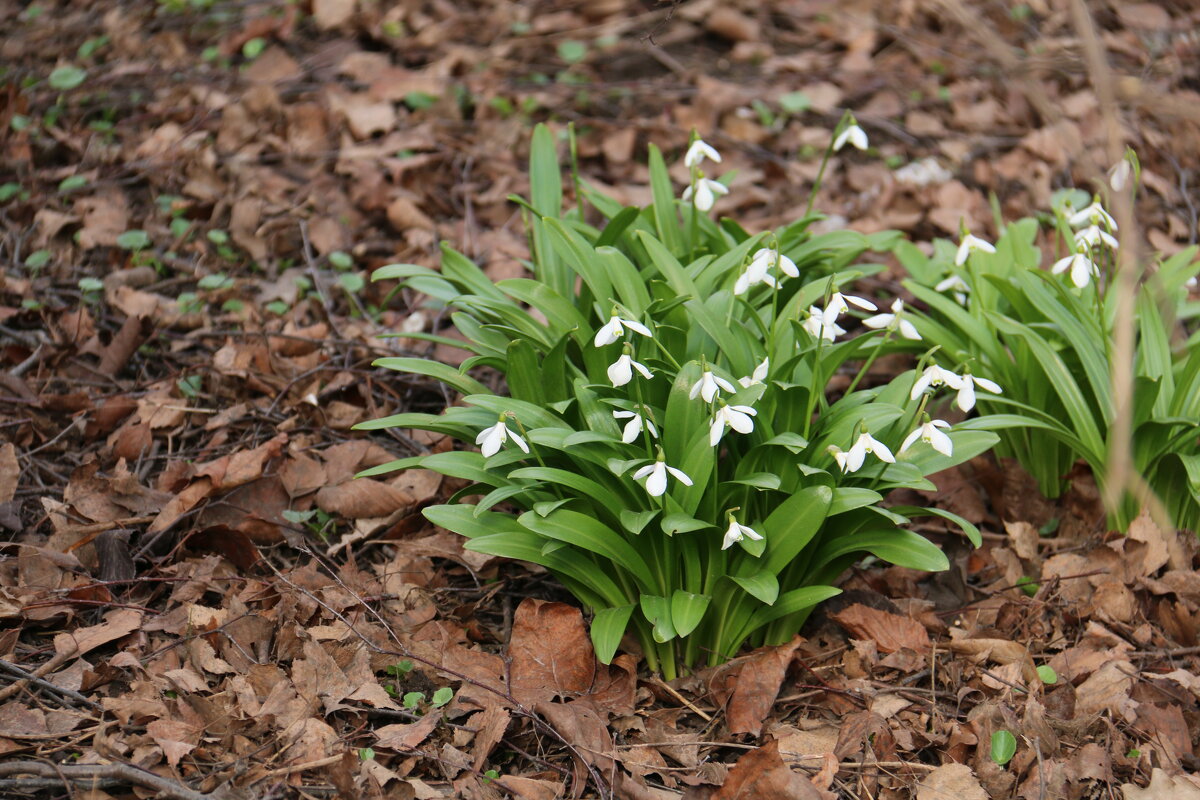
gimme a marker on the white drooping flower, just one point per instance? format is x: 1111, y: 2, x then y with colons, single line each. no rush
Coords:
x: 737, y: 532
x: 634, y: 427
x: 759, y: 270
x: 1119, y: 175
x: 706, y: 193
x: 969, y: 244
x: 614, y: 329
x: 1082, y: 268
x: 1092, y: 215
x: 935, y: 376
x: 839, y: 455
x: 490, y: 439
x: 930, y: 432
x: 620, y: 372
x: 709, y: 386
x: 822, y: 324
x: 759, y: 375
x: 1093, y: 235
x: 840, y: 303
x: 958, y: 285
x: 894, y: 321
x: 852, y: 134
x: 923, y: 173
x: 966, y: 392
x: 656, y: 477
x: 737, y: 417
x: 700, y: 150
x: 857, y: 454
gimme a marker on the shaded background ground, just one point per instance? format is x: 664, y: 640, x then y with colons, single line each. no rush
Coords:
x: 194, y: 195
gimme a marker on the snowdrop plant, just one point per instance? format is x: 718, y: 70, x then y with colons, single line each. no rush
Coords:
x: 659, y: 396
x: 1038, y: 343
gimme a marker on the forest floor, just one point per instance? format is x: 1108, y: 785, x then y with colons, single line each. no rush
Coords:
x: 197, y: 599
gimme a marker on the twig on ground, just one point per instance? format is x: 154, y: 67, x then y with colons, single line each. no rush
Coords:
x: 88, y: 773
x: 71, y: 696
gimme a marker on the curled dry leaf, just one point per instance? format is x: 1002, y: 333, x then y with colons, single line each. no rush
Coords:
x: 551, y: 652
x: 890, y: 632
x: 951, y: 780
x: 762, y: 775
x: 748, y: 686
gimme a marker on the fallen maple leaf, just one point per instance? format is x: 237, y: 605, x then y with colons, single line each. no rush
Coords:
x: 890, y: 632
x: 762, y: 775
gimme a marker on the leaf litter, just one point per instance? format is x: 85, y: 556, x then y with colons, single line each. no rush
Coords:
x: 197, y: 599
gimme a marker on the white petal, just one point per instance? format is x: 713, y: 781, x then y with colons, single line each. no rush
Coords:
x: 751, y: 533
x: 620, y: 371
x: 911, y: 439
x: 687, y: 194
x: 881, y: 450
x: 491, y: 439
x: 964, y: 250
x: 695, y: 390
x: 920, y: 386
x: 742, y: 284
x: 716, y: 187
x: 855, y: 456
x: 966, y: 396
x: 909, y: 331
x: 704, y: 199
x: 680, y: 475
x: 857, y: 137
x: 879, y: 320
x: 650, y: 427
x: 939, y: 441
x: 716, y: 431
x: 861, y: 302
x: 1081, y: 271
x: 637, y: 327
x: 609, y: 333
x: 990, y: 385
x: 644, y: 471
x: 520, y: 441
x: 1061, y: 265
x: 640, y: 367
x: 724, y: 384
x: 631, y: 430
x: 734, y: 534
x: 656, y: 484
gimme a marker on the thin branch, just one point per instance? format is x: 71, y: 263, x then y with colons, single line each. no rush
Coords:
x: 88, y: 774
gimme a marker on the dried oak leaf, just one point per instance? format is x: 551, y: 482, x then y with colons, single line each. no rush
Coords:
x: 117, y: 623
x: 890, y: 632
x: 762, y: 775
x: 951, y: 781
x: 1163, y: 787
x: 551, y: 652
x: 748, y: 686
x: 362, y: 499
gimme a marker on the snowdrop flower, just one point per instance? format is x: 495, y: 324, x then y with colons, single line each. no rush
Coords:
x: 958, y: 285
x: 759, y: 375
x: 930, y: 433
x: 736, y: 417
x: 709, y: 386
x: 700, y: 150
x: 1093, y: 235
x: 969, y: 244
x: 857, y: 454
x: 1118, y: 176
x: 852, y: 134
x: 1092, y: 215
x: 759, y: 269
x: 737, y: 532
x: 634, y: 427
x: 614, y: 329
x: 1082, y: 268
x: 490, y: 439
x: 621, y: 371
x: 839, y: 455
x: 894, y: 321
x: 1191, y: 282
x: 966, y: 392
x: 838, y: 303
x: 822, y: 324
x: 656, y: 477
x: 706, y: 193
x: 935, y: 376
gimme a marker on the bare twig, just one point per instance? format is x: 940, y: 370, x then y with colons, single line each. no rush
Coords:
x: 87, y: 774
x: 71, y: 696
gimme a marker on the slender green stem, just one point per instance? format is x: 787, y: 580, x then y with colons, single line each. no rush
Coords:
x: 812, y: 197
x: 867, y: 364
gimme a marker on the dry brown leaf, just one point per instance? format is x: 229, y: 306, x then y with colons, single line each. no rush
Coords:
x: 10, y: 471
x: 332, y: 13
x: 406, y: 737
x: 1163, y: 786
x: 762, y: 775
x: 1002, y: 651
x: 1107, y: 689
x: 890, y: 632
x: 951, y: 782
x: 117, y: 623
x: 242, y: 466
x: 363, y: 498
x: 1162, y: 547
x: 748, y: 686
x: 551, y: 652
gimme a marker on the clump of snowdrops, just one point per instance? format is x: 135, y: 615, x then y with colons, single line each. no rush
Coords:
x: 1048, y: 337
x: 669, y: 447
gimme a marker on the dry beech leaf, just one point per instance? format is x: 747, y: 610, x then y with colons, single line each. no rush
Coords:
x: 951, y: 782
x: 749, y: 685
x: 1163, y: 787
x: 762, y: 775
x: 118, y: 623
x: 406, y: 737
x: 890, y: 632
x: 551, y: 652
x: 362, y: 499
